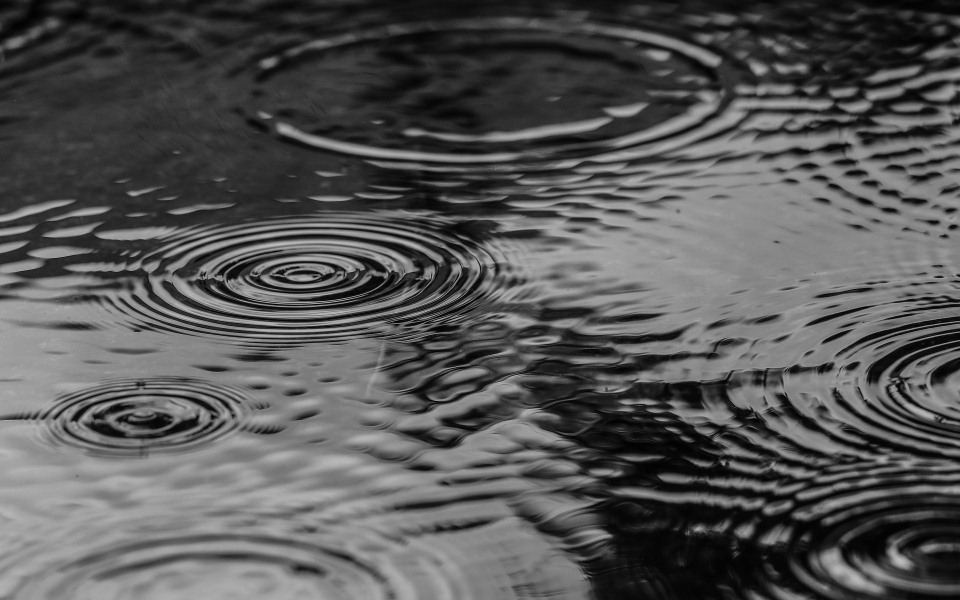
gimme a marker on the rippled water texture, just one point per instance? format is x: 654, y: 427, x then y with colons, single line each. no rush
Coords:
x: 315, y: 278
x: 479, y: 300
x: 139, y: 417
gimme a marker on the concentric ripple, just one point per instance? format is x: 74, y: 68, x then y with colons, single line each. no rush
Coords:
x: 896, y: 536
x: 507, y: 93
x: 909, y: 375
x: 140, y: 417
x: 893, y: 381
x: 222, y: 566
x: 247, y: 556
x: 323, y: 277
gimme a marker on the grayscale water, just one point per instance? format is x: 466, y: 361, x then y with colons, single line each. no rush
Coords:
x: 566, y: 300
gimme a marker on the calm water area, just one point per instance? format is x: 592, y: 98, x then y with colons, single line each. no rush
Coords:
x: 479, y: 300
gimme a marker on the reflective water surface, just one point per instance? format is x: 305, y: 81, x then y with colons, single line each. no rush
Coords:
x: 479, y: 300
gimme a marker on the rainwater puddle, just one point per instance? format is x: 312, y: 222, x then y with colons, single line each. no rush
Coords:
x: 479, y: 300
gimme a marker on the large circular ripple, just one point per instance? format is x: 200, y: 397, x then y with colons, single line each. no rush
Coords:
x: 895, y: 537
x: 212, y: 556
x: 286, y: 282
x: 503, y: 93
x: 141, y: 417
x: 215, y: 566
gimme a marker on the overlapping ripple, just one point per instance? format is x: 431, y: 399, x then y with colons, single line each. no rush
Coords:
x: 908, y: 376
x: 878, y: 378
x: 140, y: 417
x: 322, y: 277
x: 859, y: 531
x: 866, y: 127
x: 873, y: 532
x: 431, y: 95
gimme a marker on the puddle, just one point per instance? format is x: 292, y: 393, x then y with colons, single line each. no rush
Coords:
x: 479, y: 301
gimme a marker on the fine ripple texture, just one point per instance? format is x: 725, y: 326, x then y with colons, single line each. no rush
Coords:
x: 139, y: 417
x: 323, y: 277
x: 432, y: 94
x: 24, y: 24
x: 866, y: 128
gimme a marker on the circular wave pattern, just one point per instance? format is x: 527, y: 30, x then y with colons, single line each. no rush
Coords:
x: 140, y: 417
x: 871, y: 369
x: 868, y: 539
x: 907, y: 552
x: 457, y: 94
x: 442, y: 553
x: 895, y: 381
x: 216, y: 566
x: 320, y: 278
x: 912, y: 378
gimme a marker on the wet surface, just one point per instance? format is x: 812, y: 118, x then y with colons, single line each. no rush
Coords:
x: 481, y: 300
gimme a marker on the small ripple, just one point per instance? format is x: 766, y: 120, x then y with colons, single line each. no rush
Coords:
x: 325, y: 277
x: 431, y: 95
x: 138, y: 417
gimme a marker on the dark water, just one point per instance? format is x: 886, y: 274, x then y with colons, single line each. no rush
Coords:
x: 479, y: 300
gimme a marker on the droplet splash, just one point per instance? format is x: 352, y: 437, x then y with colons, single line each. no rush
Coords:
x: 136, y: 418
x: 326, y: 277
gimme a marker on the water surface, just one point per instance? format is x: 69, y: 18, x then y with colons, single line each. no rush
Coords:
x: 489, y: 301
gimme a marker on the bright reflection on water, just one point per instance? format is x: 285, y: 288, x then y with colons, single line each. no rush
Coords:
x: 479, y: 300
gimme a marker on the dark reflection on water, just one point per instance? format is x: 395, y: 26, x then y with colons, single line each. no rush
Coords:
x: 433, y: 93
x: 489, y: 300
